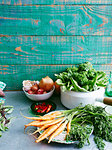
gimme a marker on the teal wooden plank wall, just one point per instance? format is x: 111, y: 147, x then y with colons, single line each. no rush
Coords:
x: 56, y: 20
x: 50, y: 2
x: 43, y: 37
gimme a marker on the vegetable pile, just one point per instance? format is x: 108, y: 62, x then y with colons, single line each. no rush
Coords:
x: 43, y: 107
x: 36, y: 87
x: 79, y: 123
x: 83, y: 78
x: 4, y: 121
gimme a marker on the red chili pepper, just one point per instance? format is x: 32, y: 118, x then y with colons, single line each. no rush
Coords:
x: 36, y: 107
x: 43, y: 103
x: 49, y: 108
x: 42, y: 107
x: 38, y: 110
x: 44, y: 110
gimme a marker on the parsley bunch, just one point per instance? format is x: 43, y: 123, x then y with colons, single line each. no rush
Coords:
x: 90, y: 119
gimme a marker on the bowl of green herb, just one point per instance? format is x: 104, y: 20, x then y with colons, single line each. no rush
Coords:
x: 82, y: 84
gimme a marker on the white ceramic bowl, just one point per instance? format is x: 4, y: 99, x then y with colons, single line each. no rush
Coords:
x: 37, y: 97
x: 72, y: 99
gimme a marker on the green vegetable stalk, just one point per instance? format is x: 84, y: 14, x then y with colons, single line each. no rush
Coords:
x: 83, y: 78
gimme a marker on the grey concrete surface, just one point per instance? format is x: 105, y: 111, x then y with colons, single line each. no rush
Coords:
x: 15, y: 139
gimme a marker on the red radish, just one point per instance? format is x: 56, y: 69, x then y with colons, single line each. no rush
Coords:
x: 46, y: 83
x: 40, y: 91
x: 1, y: 93
x: 35, y: 87
x: 35, y: 92
x: 30, y: 92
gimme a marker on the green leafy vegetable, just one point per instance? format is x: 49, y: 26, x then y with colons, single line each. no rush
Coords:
x: 4, y: 121
x: 88, y: 119
x: 80, y: 133
x: 99, y: 142
x: 83, y: 78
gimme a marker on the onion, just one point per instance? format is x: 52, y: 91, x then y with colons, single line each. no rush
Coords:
x: 46, y: 84
x: 27, y: 84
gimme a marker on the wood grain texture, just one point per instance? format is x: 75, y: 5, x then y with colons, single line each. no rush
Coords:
x: 13, y: 75
x: 49, y: 2
x: 56, y: 20
x: 36, y: 50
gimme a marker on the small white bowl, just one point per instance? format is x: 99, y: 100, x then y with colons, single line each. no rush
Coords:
x: 37, y: 97
x: 72, y: 99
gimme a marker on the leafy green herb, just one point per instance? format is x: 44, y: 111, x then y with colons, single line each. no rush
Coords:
x: 82, y: 78
x: 99, y: 142
x: 4, y: 121
x: 80, y: 133
x: 97, y: 117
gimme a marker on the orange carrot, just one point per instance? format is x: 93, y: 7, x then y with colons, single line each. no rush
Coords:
x: 33, y: 123
x: 45, y: 117
x: 39, y: 118
x: 43, y: 133
x: 47, y: 132
x: 37, y: 123
x: 56, y: 113
x: 68, y: 127
x: 58, y: 131
x: 49, y: 124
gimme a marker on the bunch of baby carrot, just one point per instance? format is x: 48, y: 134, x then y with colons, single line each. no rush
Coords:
x: 53, y: 124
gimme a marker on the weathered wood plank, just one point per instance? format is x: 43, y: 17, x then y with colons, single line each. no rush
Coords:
x: 48, y: 2
x: 37, y: 50
x: 13, y: 75
x: 56, y: 20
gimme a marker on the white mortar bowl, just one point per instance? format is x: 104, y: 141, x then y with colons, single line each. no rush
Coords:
x: 38, y: 97
x: 72, y: 99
